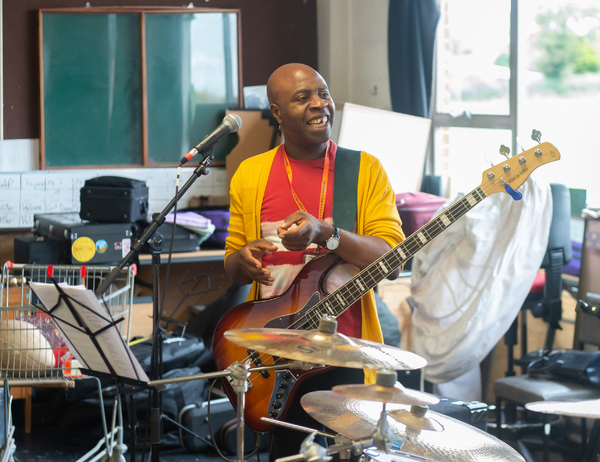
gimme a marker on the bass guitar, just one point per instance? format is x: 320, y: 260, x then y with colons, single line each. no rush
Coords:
x: 305, y: 301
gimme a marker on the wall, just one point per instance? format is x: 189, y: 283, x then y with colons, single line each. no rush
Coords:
x: 352, y: 43
x: 269, y: 39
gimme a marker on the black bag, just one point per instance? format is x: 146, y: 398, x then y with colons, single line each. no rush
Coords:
x: 81, y: 423
x: 177, y: 352
x: 471, y: 412
x: 572, y: 365
x: 114, y: 199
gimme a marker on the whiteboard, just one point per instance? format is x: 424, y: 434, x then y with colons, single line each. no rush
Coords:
x: 399, y: 141
x: 25, y: 194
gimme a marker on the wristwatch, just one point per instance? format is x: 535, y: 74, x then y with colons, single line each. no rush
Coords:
x: 334, y: 241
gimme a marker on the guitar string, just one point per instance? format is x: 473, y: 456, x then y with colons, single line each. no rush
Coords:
x: 458, y: 208
x: 462, y: 206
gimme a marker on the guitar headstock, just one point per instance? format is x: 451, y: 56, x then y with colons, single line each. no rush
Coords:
x: 508, y: 175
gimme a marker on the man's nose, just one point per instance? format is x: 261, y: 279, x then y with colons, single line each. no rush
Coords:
x: 318, y: 102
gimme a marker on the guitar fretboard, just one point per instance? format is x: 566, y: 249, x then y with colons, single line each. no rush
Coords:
x: 339, y: 301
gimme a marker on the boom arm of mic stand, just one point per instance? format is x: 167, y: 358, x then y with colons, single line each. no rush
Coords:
x: 157, y: 220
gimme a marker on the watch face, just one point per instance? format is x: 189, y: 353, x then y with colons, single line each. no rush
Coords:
x: 332, y: 243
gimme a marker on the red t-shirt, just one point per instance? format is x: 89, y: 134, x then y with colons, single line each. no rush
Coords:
x: 278, y: 204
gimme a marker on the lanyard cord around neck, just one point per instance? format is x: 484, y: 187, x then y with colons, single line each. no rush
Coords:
x: 288, y: 169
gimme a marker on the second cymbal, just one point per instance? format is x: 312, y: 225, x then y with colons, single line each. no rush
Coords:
x: 432, y: 435
x: 385, y: 394
x: 387, y: 390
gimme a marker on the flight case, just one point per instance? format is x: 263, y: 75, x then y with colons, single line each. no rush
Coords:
x: 114, y: 199
x: 90, y: 243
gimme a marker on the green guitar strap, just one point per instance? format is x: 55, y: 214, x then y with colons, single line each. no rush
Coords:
x: 345, y: 186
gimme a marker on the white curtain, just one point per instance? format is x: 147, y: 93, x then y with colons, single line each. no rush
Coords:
x: 470, y: 282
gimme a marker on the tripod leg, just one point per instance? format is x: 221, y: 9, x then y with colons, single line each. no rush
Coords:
x: 132, y: 427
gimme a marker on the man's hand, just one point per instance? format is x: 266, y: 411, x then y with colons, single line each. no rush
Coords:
x: 250, y: 261
x: 301, y: 229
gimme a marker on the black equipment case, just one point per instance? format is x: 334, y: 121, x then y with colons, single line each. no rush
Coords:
x: 184, y: 240
x: 90, y: 243
x: 195, y: 418
x: 114, y: 199
x: 471, y: 412
x: 32, y: 249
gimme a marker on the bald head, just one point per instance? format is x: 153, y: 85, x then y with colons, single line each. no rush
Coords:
x: 284, y: 76
x: 301, y: 104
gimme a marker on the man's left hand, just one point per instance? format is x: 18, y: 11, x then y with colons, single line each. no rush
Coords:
x: 307, y: 230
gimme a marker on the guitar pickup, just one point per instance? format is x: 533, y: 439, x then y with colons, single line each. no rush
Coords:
x: 257, y: 362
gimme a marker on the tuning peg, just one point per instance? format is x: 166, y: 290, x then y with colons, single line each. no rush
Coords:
x: 520, y: 145
x: 536, y: 135
x: 504, y: 151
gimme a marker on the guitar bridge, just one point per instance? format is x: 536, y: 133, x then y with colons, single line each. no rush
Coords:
x: 255, y: 357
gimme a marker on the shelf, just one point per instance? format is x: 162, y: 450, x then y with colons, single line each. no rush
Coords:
x: 186, y: 257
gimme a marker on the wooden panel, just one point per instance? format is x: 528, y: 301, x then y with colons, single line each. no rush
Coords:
x: 253, y: 138
x: 189, y: 284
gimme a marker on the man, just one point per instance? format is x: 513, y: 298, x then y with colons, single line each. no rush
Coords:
x: 281, y: 217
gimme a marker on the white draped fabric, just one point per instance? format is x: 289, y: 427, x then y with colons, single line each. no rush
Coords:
x: 470, y: 282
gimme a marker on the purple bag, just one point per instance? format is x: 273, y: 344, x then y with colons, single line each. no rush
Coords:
x: 416, y: 209
x: 219, y: 218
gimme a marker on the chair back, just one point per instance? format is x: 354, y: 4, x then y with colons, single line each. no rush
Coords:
x: 558, y: 253
x: 587, y: 327
x: 559, y: 239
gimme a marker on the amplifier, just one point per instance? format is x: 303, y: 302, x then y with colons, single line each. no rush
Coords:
x: 79, y: 242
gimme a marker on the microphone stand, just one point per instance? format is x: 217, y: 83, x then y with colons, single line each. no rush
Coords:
x: 155, y: 242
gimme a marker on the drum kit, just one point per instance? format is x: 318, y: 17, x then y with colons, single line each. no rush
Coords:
x: 380, y: 422
x: 383, y: 421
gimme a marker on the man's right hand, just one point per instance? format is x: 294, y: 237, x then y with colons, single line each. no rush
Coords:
x: 249, y: 262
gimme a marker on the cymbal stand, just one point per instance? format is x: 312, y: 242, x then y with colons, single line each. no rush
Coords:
x: 310, y: 451
x: 313, y: 452
x: 239, y: 373
x: 383, y: 436
x: 239, y: 383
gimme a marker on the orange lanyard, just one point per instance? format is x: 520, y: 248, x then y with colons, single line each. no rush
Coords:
x: 288, y: 169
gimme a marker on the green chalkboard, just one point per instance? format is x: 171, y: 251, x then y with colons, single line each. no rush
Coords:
x: 126, y: 88
x: 92, y: 100
x: 192, y: 79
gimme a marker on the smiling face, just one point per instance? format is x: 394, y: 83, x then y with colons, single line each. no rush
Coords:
x: 301, y: 103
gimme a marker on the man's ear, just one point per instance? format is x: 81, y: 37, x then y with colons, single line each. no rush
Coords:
x: 275, y: 112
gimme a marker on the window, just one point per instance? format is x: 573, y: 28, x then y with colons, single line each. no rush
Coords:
x: 505, y: 68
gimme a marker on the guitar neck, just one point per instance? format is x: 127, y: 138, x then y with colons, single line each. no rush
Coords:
x: 339, y: 301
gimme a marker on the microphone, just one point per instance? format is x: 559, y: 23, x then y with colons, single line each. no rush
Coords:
x: 231, y: 123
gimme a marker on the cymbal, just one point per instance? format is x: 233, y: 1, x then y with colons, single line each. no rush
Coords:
x: 450, y: 440
x: 386, y: 394
x: 412, y: 419
x: 588, y: 408
x: 331, y: 349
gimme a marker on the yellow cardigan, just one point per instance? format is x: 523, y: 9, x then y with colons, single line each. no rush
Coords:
x: 377, y: 215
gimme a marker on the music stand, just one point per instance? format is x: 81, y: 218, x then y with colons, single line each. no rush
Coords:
x: 155, y: 242
x: 93, y: 338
